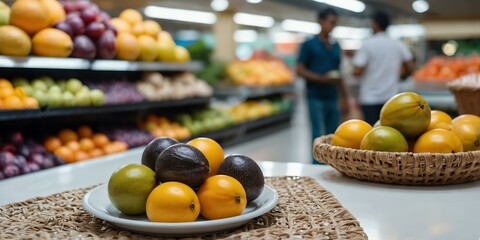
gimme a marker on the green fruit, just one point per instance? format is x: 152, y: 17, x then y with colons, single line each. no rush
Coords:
x: 377, y: 124
x: 48, y: 80
x: 4, y: 15
x: 153, y: 150
x: 20, y: 82
x: 68, y: 99
x: 41, y: 97
x: 386, y: 139
x: 97, y: 97
x: 28, y: 90
x: 38, y: 84
x: 73, y: 85
x: 82, y: 99
x: 62, y: 84
x: 54, y: 89
x: 246, y: 171
x: 55, y: 99
x: 129, y: 187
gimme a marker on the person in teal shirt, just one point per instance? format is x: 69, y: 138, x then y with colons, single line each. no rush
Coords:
x: 318, y: 63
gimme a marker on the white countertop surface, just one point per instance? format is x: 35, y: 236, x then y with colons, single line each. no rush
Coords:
x: 386, y: 212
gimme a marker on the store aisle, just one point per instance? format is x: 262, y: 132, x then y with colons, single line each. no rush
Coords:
x: 288, y: 145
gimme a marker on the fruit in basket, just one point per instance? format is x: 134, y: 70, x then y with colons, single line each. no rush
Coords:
x: 172, y: 202
x: 438, y: 141
x: 14, y: 41
x: 29, y: 15
x: 132, y: 16
x: 385, y: 139
x: 469, y: 135
x: 106, y: 45
x: 440, y: 119
x: 148, y: 51
x: 83, y: 47
x: 407, y: 112
x: 181, y: 54
x: 51, y: 42
x: 55, y: 11
x: 466, y: 118
x: 129, y: 187
x: 128, y: 47
x: 154, y: 149
x: 212, y: 151
x: 182, y: 163
x: 350, y: 133
x: 221, y: 196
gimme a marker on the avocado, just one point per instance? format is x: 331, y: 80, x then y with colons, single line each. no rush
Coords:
x: 246, y: 171
x: 153, y: 150
x: 182, y: 163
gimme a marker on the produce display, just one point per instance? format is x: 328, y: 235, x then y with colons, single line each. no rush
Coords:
x: 259, y: 72
x: 14, y: 98
x: 160, y: 126
x: 408, y: 124
x: 154, y: 86
x: 206, y: 120
x: 83, y: 144
x: 117, y: 91
x: 255, y: 109
x: 61, y: 93
x: 132, y: 136
x: 195, y: 179
x: 19, y: 156
x: 443, y: 69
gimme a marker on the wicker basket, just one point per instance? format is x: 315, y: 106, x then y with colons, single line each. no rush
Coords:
x: 467, y: 94
x: 403, y: 168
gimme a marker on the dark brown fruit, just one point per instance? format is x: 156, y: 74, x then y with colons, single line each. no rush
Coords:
x: 153, y: 150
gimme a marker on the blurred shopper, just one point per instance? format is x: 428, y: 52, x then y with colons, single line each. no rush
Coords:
x: 318, y: 63
x: 378, y: 63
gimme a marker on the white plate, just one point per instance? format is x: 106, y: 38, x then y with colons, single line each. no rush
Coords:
x: 96, y: 202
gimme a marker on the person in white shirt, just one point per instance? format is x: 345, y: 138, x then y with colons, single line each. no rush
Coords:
x: 378, y: 64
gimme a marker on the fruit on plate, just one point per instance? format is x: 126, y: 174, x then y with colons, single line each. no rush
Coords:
x: 212, y: 151
x: 51, y: 42
x: 130, y: 186
x: 407, y: 112
x: 438, y: 141
x: 154, y: 149
x: 172, y: 202
x: 384, y: 138
x: 182, y: 163
x: 247, y: 172
x: 14, y: 41
x: 221, y: 196
x: 350, y: 133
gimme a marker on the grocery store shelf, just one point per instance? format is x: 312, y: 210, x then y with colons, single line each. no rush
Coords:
x: 70, y: 111
x: 225, y: 90
x: 95, y: 65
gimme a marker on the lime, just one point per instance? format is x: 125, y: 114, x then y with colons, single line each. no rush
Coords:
x: 386, y: 139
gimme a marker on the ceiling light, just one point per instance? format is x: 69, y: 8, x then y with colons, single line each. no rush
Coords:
x: 254, y: 1
x: 245, y: 36
x: 253, y: 20
x: 180, y: 15
x: 300, y: 26
x: 420, y: 6
x: 352, y: 5
x: 219, y: 5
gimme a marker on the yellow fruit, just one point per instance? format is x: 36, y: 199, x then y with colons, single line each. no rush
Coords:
x: 29, y: 102
x: 438, y: 141
x: 132, y: 16
x: 148, y: 48
x: 469, y: 135
x: 137, y: 29
x: 52, y: 42
x: 212, y: 151
x: 121, y: 25
x: 29, y: 15
x: 407, y: 112
x: 12, y: 102
x: 151, y: 28
x: 350, y: 133
x: 128, y: 47
x: 466, y: 118
x: 181, y: 54
x: 55, y: 11
x: 165, y: 37
x: 440, y: 119
x: 166, y: 51
x: 14, y: 41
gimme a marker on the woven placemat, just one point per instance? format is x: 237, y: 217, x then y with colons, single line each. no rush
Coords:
x: 305, y: 211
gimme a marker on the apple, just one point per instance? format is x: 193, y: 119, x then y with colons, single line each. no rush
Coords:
x: 97, y: 97
x: 48, y: 80
x: 68, y: 99
x: 55, y: 99
x: 41, y: 97
x: 73, y: 85
x: 82, y: 99
x: 38, y: 84
x: 54, y: 89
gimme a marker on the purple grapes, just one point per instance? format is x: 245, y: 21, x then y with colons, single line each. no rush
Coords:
x: 11, y: 171
x: 117, y: 91
x: 133, y: 137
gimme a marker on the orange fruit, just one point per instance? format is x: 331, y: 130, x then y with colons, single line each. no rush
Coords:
x: 128, y: 47
x: 438, y: 141
x: 151, y: 28
x: 165, y: 37
x: 440, y: 119
x: 469, y: 135
x: 407, y: 112
x: 55, y: 11
x: 158, y: 133
x: 29, y: 102
x: 137, y: 29
x: 386, y: 139
x: 172, y: 202
x: 84, y: 131
x: 96, y: 152
x: 12, y: 102
x: 4, y: 83
x: 51, y: 42
x: 221, y: 196
x: 121, y: 146
x: 120, y: 25
x: 212, y: 151
x: 466, y: 118
x: 132, y: 16
x: 14, y: 41
x: 350, y: 133
x: 52, y: 143
x: 81, y: 155
x: 109, y: 149
x: 100, y: 140
x: 65, y: 153
x: 29, y: 15
x: 73, y: 145
x: 19, y: 92
x: 182, y: 55
x: 67, y: 135
x: 6, y: 92
x: 148, y: 48
x: 86, y: 144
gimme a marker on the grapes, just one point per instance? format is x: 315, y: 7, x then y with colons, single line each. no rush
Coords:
x: 48, y: 162
x: 33, y: 166
x: 89, y: 15
x: 106, y: 45
x: 117, y: 91
x: 76, y: 23
x: 83, y: 47
x: 8, y: 148
x: 111, y: 28
x: 6, y: 159
x: 11, y: 171
x: 133, y: 137
x: 65, y: 27
x: 104, y: 17
x: 36, y: 158
x: 20, y: 161
x: 95, y: 30
x: 23, y: 150
x: 2, y: 176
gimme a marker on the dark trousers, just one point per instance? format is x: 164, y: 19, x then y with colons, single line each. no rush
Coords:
x: 371, y: 113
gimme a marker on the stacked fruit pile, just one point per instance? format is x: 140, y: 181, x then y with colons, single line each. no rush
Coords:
x: 117, y: 91
x: 195, y: 178
x: 15, y: 98
x: 154, y: 86
x: 20, y: 157
x: 206, y: 120
x: 61, y: 93
x: 407, y: 124
x: 144, y: 40
x: 251, y: 110
x: 446, y: 69
x: 163, y: 127
x: 132, y: 136
x: 259, y: 72
x: 82, y: 145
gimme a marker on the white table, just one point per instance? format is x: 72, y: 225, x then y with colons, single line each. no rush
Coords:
x: 386, y: 212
